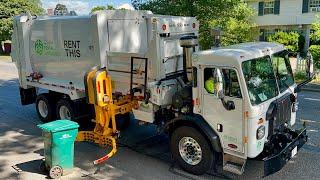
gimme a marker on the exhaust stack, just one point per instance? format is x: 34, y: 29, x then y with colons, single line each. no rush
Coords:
x: 188, y: 43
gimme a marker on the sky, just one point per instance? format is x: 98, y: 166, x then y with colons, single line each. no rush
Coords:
x: 82, y: 7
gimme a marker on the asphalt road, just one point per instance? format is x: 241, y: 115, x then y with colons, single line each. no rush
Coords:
x: 21, y: 146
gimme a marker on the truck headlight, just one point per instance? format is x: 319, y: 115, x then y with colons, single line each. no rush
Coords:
x: 261, y: 132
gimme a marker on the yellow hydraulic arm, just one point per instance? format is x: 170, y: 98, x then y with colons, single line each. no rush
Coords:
x: 99, y: 93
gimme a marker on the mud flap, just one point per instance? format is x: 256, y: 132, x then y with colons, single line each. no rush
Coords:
x: 28, y: 96
x: 275, y: 162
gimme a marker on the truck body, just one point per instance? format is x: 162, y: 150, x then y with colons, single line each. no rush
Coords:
x: 61, y: 47
x: 151, y: 63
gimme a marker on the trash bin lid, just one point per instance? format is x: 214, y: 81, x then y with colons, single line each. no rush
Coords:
x: 58, y: 125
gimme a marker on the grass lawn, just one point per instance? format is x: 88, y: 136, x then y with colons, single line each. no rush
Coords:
x: 5, y: 58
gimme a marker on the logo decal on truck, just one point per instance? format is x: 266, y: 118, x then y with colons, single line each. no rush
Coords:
x: 45, y: 48
x: 38, y: 46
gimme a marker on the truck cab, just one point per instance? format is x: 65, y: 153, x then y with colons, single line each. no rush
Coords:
x: 246, y: 94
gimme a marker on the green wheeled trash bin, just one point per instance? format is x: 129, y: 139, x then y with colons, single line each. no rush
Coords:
x: 59, y: 137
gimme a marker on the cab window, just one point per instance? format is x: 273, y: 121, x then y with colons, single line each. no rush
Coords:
x: 229, y: 79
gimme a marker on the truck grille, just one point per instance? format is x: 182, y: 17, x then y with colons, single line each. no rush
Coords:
x: 281, y: 114
x: 283, y: 110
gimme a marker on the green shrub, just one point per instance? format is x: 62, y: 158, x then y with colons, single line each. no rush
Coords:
x: 300, y: 76
x: 315, y: 51
x: 289, y: 39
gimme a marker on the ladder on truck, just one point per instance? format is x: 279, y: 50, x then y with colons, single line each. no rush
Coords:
x: 138, y: 72
x: 98, y: 87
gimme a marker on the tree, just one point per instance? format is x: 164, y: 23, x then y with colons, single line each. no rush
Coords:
x: 110, y: 7
x: 289, y: 39
x: 98, y: 8
x: 315, y: 35
x: 61, y: 10
x: 315, y: 42
x: 10, y: 8
x: 232, y: 17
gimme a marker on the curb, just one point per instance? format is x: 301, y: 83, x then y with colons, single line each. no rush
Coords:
x: 311, y: 87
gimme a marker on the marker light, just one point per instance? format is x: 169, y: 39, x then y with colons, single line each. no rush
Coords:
x: 261, y: 132
x: 164, y: 27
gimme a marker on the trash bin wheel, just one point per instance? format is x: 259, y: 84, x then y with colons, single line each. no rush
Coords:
x: 42, y: 167
x: 55, y: 172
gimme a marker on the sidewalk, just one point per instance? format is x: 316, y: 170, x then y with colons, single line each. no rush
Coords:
x: 5, y: 58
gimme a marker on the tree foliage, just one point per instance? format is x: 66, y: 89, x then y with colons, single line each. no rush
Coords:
x: 315, y: 35
x: 10, y: 8
x: 289, y: 39
x: 315, y: 41
x: 315, y: 51
x: 110, y: 7
x: 232, y: 17
x: 99, y: 8
x: 60, y: 9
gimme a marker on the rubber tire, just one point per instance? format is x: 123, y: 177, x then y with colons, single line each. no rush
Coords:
x: 123, y: 121
x: 69, y: 105
x: 55, y: 175
x: 207, y: 154
x: 51, y: 113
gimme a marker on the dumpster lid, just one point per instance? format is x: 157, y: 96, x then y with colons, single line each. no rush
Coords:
x: 58, y: 125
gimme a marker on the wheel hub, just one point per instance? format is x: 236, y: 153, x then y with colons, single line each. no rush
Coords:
x: 190, y: 150
x: 43, y: 108
x: 64, y: 113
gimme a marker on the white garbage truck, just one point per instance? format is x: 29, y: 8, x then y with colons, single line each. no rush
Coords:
x: 235, y: 102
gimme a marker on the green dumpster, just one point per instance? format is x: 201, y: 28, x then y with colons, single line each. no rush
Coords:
x: 59, y: 137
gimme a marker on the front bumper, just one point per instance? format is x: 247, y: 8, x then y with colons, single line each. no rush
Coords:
x: 275, y: 161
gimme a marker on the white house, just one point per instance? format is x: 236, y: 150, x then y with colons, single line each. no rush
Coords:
x: 285, y: 15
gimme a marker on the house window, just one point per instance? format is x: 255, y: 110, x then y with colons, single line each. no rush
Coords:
x: 314, y: 6
x: 269, y: 7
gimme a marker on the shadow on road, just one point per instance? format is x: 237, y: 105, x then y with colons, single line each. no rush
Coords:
x: 29, y: 166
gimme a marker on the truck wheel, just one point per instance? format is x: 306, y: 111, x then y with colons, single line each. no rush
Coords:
x: 45, y: 108
x: 191, y: 150
x: 65, y: 109
x: 55, y: 172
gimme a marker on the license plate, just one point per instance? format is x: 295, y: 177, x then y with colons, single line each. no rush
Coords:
x: 294, y: 151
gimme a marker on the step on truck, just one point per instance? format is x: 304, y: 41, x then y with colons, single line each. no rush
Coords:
x: 236, y: 102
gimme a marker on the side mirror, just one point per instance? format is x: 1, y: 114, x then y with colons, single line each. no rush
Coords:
x: 309, y: 73
x: 229, y: 105
x: 220, y: 94
x: 309, y: 66
x: 218, y: 81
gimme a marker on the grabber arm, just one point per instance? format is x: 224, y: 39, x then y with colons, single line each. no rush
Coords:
x: 104, y: 141
x: 99, y: 93
x: 110, y: 154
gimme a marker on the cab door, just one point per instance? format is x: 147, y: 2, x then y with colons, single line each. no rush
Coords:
x: 228, y: 122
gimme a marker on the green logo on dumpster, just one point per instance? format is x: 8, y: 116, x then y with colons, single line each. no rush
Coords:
x: 38, y: 45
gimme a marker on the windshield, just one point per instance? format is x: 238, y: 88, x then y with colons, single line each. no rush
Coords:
x: 260, y: 79
x: 282, y: 69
